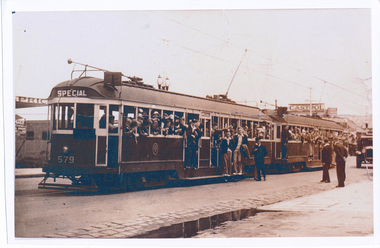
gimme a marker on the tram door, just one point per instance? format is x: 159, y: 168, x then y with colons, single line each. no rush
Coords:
x: 107, y: 133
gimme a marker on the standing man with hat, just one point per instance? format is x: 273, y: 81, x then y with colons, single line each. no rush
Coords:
x: 341, y: 155
x: 259, y: 151
x: 326, y: 161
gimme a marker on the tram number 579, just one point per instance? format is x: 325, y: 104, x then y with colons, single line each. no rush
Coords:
x: 65, y: 159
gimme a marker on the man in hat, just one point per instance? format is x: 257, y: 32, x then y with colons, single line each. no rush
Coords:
x: 259, y: 151
x: 340, y: 159
x: 326, y: 161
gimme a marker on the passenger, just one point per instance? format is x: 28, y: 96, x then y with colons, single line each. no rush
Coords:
x: 215, y: 134
x: 259, y: 152
x: 284, y: 142
x: 155, y: 123
x: 182, y: 127
x: 226, y: 148
x: 112, y: 126
x: 192, y: 135
x: 239, y: 141
x: 130, y: 128
x: 142, y: 125
x: 102, y: 121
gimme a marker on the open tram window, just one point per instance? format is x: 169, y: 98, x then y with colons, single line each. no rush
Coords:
x: 144, y: 121
x: 85, y: 116
x: 180, y: 123
x: 129, y: 122
x: 113, y: 119
x: 63, y: 116
x: 235, y: 124
x: 156, y: 122
x: 168, y: 127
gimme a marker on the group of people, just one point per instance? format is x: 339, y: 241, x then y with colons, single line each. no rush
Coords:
x: 340, y: 159
x: 168, y: 124
x: 234, y: 147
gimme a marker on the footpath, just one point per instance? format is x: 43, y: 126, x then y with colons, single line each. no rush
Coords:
x: 318, y: 214
x: 339, y: 212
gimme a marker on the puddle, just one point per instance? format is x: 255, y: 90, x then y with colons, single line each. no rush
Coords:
x: 191, y: 228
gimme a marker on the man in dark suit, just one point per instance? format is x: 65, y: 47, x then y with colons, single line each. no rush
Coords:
x: 326, y: 161
x: 193, y: 134
x: 341, y: 155
x: 226, y: 148
x: 259, y: 151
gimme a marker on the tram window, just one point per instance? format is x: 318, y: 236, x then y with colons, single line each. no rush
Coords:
x: 167, y: 125
x: 156, y: 122
x: 207, y: 128
x: 85, y: 116
x: 64, y: 116
x: 278, y: 132
x: 129, y: 112
x: 103, y: 117
x: 215, y: 120
x: 191, y: 117
x: 144, y: 120
x: 179, y: 129
x: 113, y: 121
x: 234, y: 123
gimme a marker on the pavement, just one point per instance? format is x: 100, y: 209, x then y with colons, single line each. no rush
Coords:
x: 29, y: 172
x: 353, y: 205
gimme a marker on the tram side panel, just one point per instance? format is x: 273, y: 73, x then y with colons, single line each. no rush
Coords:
x: 151, y: 153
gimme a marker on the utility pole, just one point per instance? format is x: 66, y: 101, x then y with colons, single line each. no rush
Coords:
x: 311, y: 110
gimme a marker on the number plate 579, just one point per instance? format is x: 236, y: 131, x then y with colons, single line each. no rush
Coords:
x: 65, y: 159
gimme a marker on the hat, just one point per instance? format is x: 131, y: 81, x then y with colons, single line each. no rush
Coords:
x: 140, y: 116
x: 195, y: 120
x: 140, y: 110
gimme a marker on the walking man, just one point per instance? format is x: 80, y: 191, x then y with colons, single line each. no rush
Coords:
x: 326, y: 161
x: 259, y: 151
x: 341, y: 155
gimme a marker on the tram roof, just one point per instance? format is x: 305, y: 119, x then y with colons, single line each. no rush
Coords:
x: 142, y: 93
x: 308, y: 121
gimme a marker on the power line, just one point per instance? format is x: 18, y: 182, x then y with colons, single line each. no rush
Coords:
x: 228, y: 42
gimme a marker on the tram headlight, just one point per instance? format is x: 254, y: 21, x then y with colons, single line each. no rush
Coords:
x: 65, y: 149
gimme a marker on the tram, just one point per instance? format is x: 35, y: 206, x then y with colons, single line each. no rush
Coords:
x: 96, y: 145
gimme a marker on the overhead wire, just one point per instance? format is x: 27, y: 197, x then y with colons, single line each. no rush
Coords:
x: 228, y: 42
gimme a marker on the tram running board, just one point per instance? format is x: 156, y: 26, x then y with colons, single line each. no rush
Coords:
x: 88, y: 188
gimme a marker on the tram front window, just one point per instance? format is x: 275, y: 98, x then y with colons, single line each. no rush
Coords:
x: 63, y: 117
x: 85, y: 116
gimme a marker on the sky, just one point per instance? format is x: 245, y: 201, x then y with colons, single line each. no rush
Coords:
x: 293, y: 55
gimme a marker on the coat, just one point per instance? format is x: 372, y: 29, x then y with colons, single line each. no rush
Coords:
x: 341, y: 153
x: 327, y: 154
x: 224, y: 146
x: 259, y: 152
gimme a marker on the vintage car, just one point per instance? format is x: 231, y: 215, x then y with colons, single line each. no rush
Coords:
x: 364, y: 152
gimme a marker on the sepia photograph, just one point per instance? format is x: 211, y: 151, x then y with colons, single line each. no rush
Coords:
x: 243, y: 124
